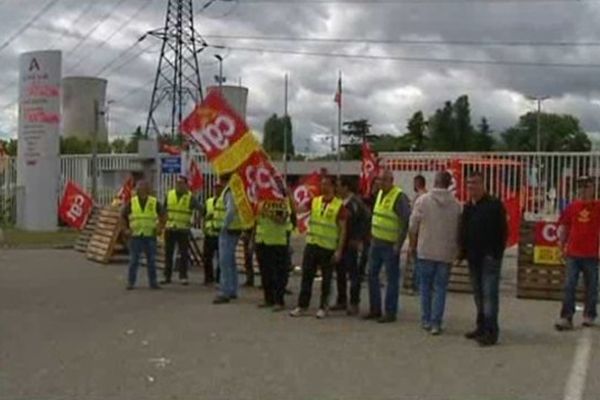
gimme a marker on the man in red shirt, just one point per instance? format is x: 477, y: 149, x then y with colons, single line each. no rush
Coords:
x: 579, y: 235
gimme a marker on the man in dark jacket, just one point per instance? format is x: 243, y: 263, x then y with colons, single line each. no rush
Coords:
x: 483, y: 239
x: 357, y: 227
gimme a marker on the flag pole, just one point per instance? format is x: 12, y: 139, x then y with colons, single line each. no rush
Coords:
x: 339, y: 127
x: 285, y: 133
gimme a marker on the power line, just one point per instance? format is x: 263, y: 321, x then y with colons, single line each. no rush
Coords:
x: 28, y: 24
x: 425, y: 60
x: 145, y: 4
x: 84, y: 11
x: 406, y: 41
x: 95, y: 27
x: 400, y: 2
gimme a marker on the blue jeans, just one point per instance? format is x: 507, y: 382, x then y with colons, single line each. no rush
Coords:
x: 380, y: 255
x: 485, y: 279
x: 434, y: 277
x: 229, y: 278
x: 137, y: 245
x: 589, y: 268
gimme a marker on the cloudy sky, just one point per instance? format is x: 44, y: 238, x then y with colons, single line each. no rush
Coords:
x: 549, y: 47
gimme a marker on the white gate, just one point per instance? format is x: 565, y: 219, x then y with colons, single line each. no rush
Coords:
x: 544, y: 182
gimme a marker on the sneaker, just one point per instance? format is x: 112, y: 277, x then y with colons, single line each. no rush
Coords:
x: 297, y: 312
x: 321, y: 313
x: 426, y: 327
x: 185, y: 282
x: 265, y: 305
x: 221, y: 300
x: 129, y: 287
x: 386, y: 319
x: 372, y: 316
x: 278, y: 308
x: 352, y: 310
x: 339, y: 307
x: 436, y: 331
x: 473, y: 335
x: 588, y: 322
x: 563, y: 324
x: 165, y: 282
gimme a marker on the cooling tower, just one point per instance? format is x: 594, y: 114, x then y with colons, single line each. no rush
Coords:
x: 237, y: 96
x: 79, y: 96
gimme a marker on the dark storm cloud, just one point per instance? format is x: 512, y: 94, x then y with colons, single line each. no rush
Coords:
x: 386, y: 92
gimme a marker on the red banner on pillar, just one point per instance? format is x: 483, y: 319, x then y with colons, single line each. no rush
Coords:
x: 75, y: 206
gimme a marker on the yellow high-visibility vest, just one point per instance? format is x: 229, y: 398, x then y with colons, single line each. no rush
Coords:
x: 179, y: 215
x: 268, y: 231
x: 215, y: 214
x: 386, y: 224
x: 323, y: 228
x: 143, y: 222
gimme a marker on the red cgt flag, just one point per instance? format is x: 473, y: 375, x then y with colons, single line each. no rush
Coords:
x: 513, y: 220
x: 75, y: 206
x: 126, y: 191
x: 369, y: 169
x: 308, y: 189
x: 195, y: 177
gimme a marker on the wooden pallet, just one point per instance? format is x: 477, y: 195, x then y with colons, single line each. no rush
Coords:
x: 460, y: 281
x: 103, y: 243
x: 86, y: 234
x: 542, y: 282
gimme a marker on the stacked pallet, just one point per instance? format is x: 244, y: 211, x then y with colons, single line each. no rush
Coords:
x: 538, y: 281
x: 104, y: 244
x: 86, y: 234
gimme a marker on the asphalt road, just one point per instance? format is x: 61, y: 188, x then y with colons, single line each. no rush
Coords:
x: 69, y: 330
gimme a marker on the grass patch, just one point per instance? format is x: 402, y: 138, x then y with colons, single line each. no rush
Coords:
x: 20, y: 238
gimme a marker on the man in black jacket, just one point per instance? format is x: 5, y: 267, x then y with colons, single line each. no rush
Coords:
x: 483, y: 239
x: 347, y: 268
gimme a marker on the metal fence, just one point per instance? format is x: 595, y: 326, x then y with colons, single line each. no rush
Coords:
x: 543, y: 182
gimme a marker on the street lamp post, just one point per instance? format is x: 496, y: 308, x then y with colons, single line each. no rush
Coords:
x: 538, y: 100
x: 220, y: 59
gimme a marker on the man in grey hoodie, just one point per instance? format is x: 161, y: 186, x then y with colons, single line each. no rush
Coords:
x: 434, y: 239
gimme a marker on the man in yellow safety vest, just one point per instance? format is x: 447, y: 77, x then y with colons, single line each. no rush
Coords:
x: 325, y: 241
x: 181, y: 204
x: 214, y: 215
x: 389, y: 228
x: 143, y: 220
x: 272, y: 251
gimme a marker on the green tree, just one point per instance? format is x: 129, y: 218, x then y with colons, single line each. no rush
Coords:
x: 483, y: 139
x: 416, y: 136
x: 273, y: 140
x: 132, y: 145
x: 441, y: 129
x: 10, y: 146
x: 557, y: 133
x: 119, y: 146
x: 462, y: 127
x: 356, y: 132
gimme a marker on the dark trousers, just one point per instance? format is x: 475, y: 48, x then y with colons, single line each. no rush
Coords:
x: 346, y: 269
x: 272, y: 261
x: 137, y: 246
x: 248, y: 266
x: 485, y: 279
x: 315, y: 257
x: 182, y: 239
x: 210, y: 248
x: 364, y: 260
x: 589, y: 269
